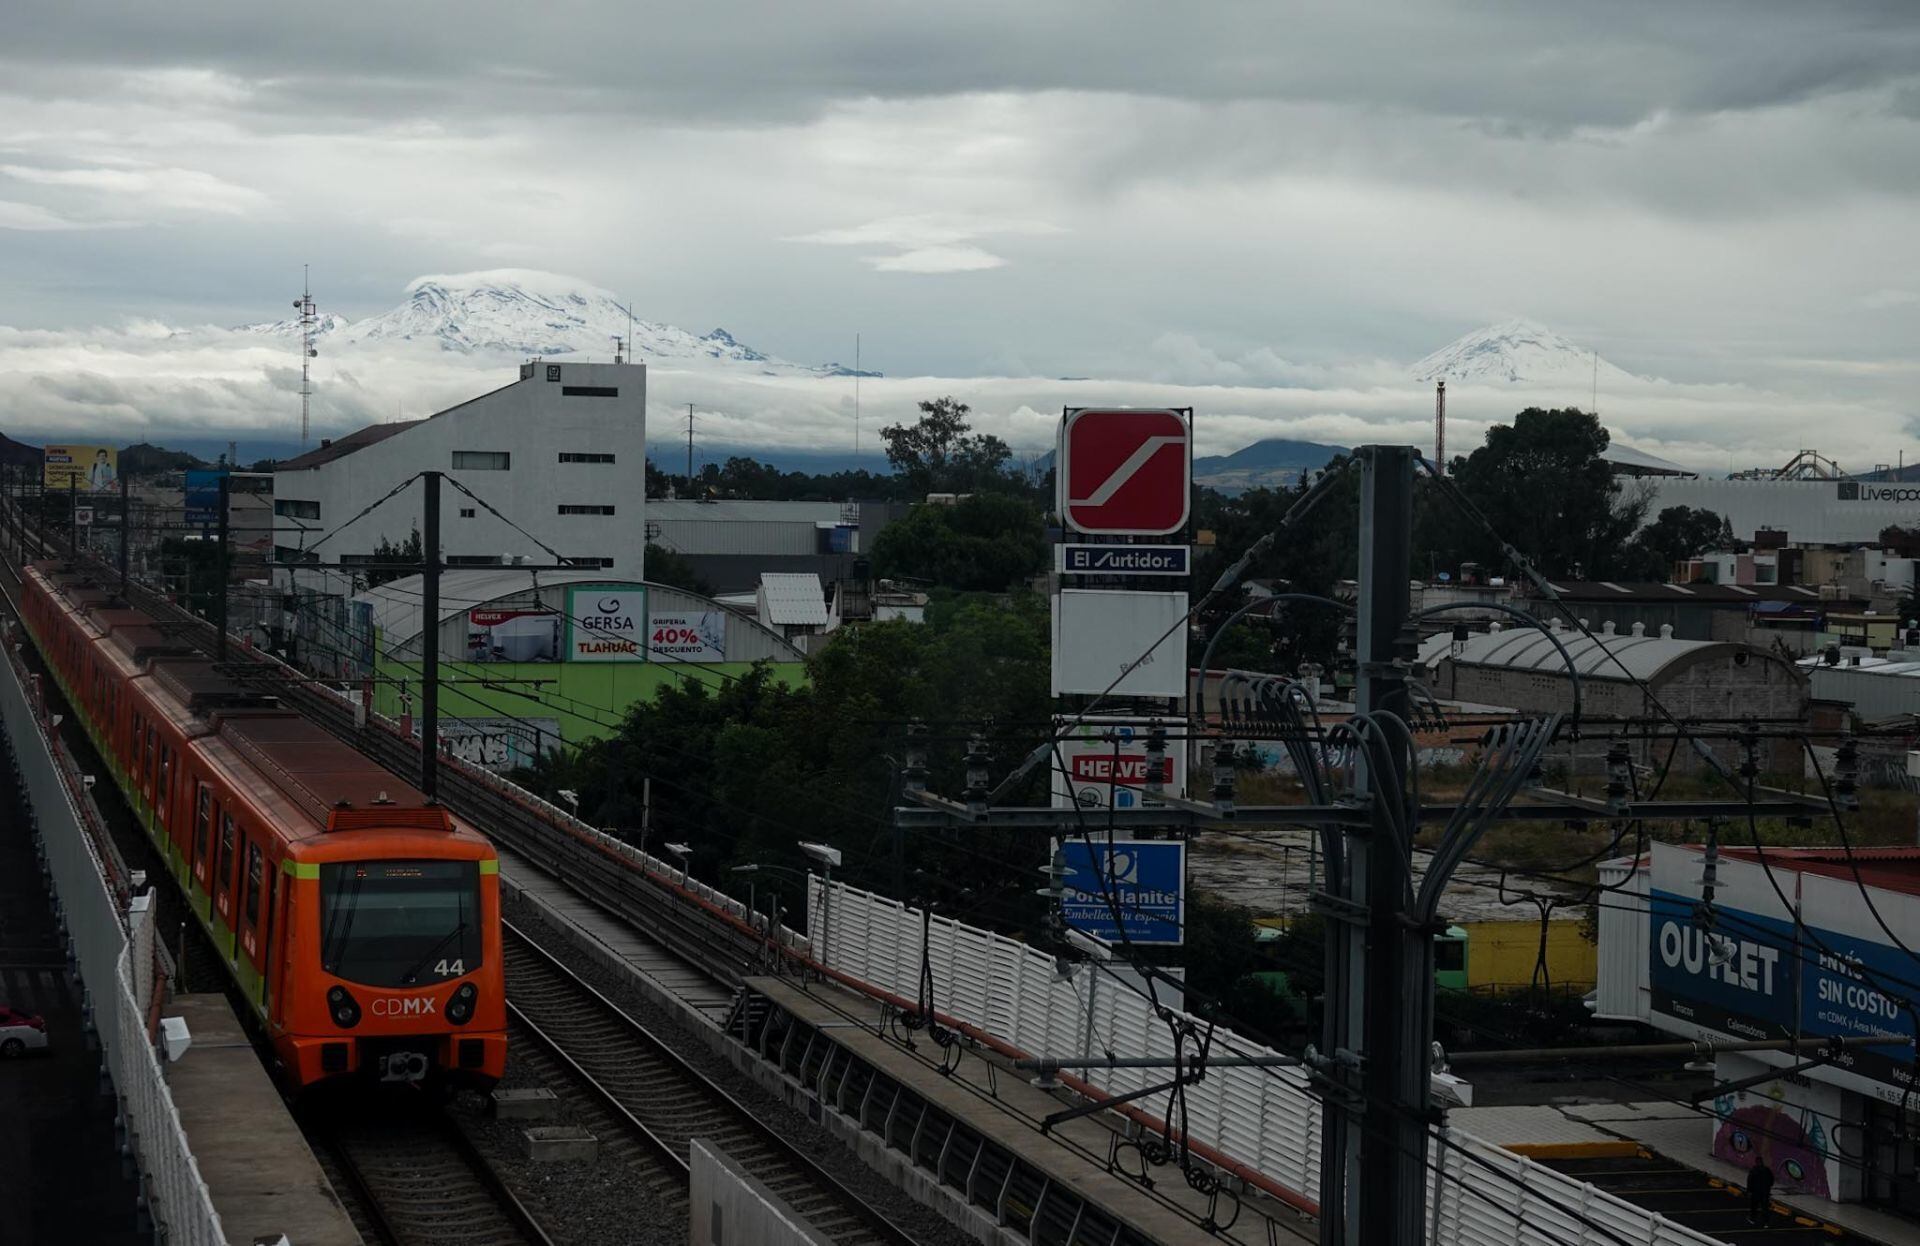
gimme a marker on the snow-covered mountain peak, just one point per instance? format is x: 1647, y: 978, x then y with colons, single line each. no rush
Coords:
x: 1515, y: 352
x: 520, y: 313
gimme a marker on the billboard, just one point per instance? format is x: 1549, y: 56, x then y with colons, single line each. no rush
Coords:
x: 1102, y: 762
x: 606, y: 623
x: 526, y: 634
x: 1100, y: 635
x: 203, y: 496
x: 1125, y: 472
x: 87, y: 469
x: 687, y: 636
x: 1144, y: 881
x: 1834, y: 973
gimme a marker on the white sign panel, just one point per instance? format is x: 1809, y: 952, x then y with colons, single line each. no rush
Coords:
x: 687, y: 636
x: 606, y: 624
x: 1103, y: 762
x: 1100, y: 637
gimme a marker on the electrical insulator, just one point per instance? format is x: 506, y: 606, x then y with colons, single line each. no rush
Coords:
x: 1619, y: 776
x: 1223, y: 774
x: 914, y: 776
x: 1846, y: 777
x: 979, y: 782
x: 1154, y: 792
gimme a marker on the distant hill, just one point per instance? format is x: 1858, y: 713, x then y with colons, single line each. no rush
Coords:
x: 668, y: 459
x: 1274, y: 463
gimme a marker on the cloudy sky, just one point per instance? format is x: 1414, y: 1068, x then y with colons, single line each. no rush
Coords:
x: 1263, y: 196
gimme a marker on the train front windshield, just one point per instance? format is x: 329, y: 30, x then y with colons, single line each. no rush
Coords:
x: 400, y: 923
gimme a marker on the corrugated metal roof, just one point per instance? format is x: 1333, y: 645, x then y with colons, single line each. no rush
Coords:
x: 1703, y: 594
x: 396, y: 604
x: 746, y: 510
x: 1644, y: 657
x: 794, y: 599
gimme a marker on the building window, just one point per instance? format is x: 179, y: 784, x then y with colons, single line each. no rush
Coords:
x: 567, y: 456
x: 588, y: 391
x: 589, y: 560
x: 482, y: 461
x: 567, y: 508
x: 295, y: 508
x: 466, y: 512
x: 473, y: 560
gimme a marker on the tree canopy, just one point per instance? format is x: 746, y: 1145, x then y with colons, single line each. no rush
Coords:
x: 940, y: 453
x: 984, y: 542
x: 1676, y: 534
x: 1542, y: 484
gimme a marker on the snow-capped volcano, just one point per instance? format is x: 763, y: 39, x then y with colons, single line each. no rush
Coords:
x: 522, y: 313
x: 1517, y: 352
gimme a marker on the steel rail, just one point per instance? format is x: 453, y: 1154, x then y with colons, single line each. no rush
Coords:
x: 870, y: 1223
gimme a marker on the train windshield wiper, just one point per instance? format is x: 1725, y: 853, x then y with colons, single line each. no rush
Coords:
x: 413, y: 971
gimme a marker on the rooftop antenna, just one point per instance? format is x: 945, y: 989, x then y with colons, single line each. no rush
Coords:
x: 629, y: 328
x: 1440, y: 427
x: 309, y: 323
x: 689, y: 445
x: 619, y: 344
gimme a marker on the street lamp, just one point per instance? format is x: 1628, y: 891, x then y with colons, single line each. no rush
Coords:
x: 826, y: 856
x: 683, y: 852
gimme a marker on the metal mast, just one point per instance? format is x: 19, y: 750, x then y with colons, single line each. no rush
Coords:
x: 1440, y: 427
x: 309, y: 325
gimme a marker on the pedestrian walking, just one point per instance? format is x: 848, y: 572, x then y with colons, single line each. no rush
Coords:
x: 1759, y: 1191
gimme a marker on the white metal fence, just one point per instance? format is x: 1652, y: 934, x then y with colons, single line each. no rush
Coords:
x: 115, y: 960
x: 1264, y: 1118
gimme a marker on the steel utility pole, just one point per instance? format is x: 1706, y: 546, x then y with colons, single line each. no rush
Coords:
x: 126, y: 531
x: 73, y: 515
x: 1379, y: 1006
x: 430, y: 635
x: 220, y: 590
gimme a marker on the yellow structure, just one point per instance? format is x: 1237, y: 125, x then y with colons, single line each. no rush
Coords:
x: 1501, y: 955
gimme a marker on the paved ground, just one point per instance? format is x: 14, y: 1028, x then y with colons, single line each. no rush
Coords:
x: 60, y: 1179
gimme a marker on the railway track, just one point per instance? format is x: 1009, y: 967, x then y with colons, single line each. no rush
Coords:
x: 409, y: 1177
x: 665, y: 1102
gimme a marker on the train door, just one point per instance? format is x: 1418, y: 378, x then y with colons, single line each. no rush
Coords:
x: 202, y: 838
x: 251, y: 898
x: 223, y: 863
x: 280, y: 948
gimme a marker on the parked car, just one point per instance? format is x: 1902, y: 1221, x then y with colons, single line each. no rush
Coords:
x: 20, y: 1032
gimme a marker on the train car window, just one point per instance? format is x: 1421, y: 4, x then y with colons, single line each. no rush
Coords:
x: 223, y: 867
x: 254, y: 871
x: 202, y: 825
x: 146, y: 761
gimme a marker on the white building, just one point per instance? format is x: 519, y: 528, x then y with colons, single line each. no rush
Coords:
x: 1809, y: 512
x: 560, y: 452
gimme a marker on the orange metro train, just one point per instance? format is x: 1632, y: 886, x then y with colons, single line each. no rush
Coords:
x: 360, y: 921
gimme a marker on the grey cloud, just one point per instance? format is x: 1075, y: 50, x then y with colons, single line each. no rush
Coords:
x: 1528, y: 65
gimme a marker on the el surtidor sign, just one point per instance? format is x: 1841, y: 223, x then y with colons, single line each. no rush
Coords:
x: 1816, y: 964
x: 606, y: 623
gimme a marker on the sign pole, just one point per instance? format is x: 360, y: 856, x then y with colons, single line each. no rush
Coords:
x: 126, y: 532
x: 220, y: 590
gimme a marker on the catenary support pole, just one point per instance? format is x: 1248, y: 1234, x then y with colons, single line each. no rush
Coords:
x: 225, y: 570
x: 126, y: 531
x: 1375, y: 1122
x: 73, y: 515
x: 430, y: 636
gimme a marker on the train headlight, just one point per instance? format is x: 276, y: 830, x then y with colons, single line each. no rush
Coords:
x: 343, y: 1007
x: 460, y: 1006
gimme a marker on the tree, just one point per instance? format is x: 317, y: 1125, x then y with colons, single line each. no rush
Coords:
x: 1677, y: 534
x: 935, y: 454
x: 665, y: 566
x: 144, y: 459
x: 408, y: 550
x: 985, y: 543
x: 1543, y: 486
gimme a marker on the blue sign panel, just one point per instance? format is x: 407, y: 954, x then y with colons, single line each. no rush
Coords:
x: 203, y: 495
x: 1842, y: 994
x: 1124, y: 559
x: 1142, y: 882
x: 1747, y: 988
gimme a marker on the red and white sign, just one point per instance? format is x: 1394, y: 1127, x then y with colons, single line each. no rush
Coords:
x: 1125, y: 472
x: 1105, y: 762
x: 481, y: 617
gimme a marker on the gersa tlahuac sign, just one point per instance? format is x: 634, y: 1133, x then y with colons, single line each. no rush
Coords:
x: 606, y: 624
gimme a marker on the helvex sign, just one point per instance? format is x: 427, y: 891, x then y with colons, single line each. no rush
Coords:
x: 1124, y: 770
x: 1125, y: 471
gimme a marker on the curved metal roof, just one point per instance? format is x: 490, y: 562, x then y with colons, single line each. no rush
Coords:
x: 1524, y: 648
